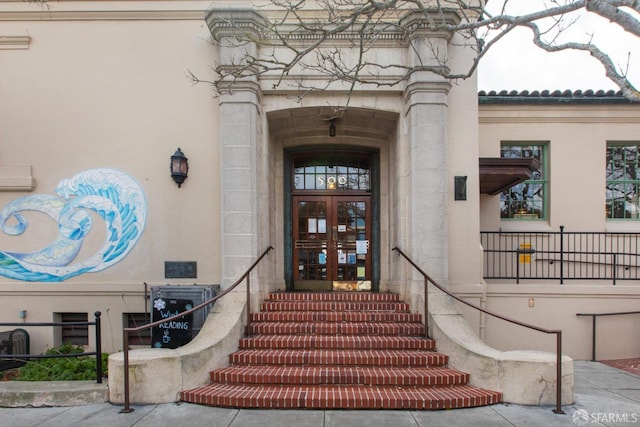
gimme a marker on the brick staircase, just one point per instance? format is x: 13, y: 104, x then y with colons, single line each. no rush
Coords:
x: 337, y: 351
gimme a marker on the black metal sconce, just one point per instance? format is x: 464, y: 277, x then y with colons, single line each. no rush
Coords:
x: 460, y: 188
x: 332, y: 128
x: 179, y: 167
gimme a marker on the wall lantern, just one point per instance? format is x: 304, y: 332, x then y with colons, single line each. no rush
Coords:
x: 179, y: 167
x: 332, y: 128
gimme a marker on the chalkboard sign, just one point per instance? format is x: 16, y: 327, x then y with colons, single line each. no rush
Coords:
x: 174, y: 333
x: 180, y: 269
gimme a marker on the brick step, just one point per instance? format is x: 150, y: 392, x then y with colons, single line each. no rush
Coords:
x: 332, y: 296
x: 346, y: 375
x: 340, y: 397
x: 335, y: 316
x: 407, y: 358
x: 334, y: 306
x: 334, y: 350
x: 337, y: 342
x: 351, y: 328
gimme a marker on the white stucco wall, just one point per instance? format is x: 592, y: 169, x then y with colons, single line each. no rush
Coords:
x: 576, y: 136
x: 95, y: 89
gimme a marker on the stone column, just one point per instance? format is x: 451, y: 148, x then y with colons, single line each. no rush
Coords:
x: 427, y: 226
x: 239, y: 130
x: 426, y: 186
x: 240, y: 135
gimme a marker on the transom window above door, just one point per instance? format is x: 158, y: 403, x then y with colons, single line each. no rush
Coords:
x: 329, y: 174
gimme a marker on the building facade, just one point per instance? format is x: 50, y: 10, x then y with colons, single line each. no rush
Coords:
x: 96, y: 98
x: 586, y: 187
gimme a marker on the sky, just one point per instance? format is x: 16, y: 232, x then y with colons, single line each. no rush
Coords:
x: 515, y: 63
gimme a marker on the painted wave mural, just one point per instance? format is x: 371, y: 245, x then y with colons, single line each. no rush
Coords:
x: 113, y: 195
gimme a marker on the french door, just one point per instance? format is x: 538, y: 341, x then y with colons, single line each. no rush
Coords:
x: 331, y: 242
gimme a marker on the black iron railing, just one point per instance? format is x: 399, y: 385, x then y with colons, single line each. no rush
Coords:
x: 126, y: 331
x: 556, y: 332
x: 594, y: 317
x: 562, y: 255
x: 98, y: 343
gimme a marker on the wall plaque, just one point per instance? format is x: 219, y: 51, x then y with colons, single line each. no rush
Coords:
x: 180, y: 270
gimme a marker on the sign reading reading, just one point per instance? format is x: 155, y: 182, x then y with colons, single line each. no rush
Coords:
x: 173, y: 333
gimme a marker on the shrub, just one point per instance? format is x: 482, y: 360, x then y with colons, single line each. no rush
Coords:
x: 67, y: 368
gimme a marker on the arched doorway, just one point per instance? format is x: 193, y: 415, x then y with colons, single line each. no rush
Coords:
x: 332, y: 217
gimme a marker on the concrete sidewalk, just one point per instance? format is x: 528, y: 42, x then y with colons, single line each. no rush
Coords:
x: 605, y: 396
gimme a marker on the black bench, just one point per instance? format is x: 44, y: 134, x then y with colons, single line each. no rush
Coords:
x: 13, y: 342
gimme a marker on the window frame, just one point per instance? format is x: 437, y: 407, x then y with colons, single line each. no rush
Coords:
x: 134, y: 320
x: 543, y: 181
x: 610, y: 211
x: 77, y: 335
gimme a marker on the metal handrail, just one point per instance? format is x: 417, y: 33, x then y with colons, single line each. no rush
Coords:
x: 593, y: 330
x: 98, y: 343
x: 557, y: 332
x: 126, y: 331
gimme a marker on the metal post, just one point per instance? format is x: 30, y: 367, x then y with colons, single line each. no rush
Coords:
x: 593, y: 338
x: 125, y: 339
x: 248, y: 330
x: 518, y: 265
x: 97, y: 315
x: 615, y: 268
x: 562, y: 254
x: 558, y: 409
x: 426, y: 307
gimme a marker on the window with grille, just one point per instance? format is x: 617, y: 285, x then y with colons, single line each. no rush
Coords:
x: 623, y: 181
x: 73, y: 334
x: 526, y: 200
x: 133, y: 320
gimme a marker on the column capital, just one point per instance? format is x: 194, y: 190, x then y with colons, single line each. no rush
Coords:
x: 430, y: 23
x: 245, y: 25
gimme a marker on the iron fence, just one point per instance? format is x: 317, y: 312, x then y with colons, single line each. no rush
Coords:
x: 13, y: 356
x: 562, y: 255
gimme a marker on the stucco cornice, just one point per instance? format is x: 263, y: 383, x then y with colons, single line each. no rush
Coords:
x: 255, y: 26
x: 612, y: 114
x: 16, y: 178
x: 14, y: 42
x: 105, y: 15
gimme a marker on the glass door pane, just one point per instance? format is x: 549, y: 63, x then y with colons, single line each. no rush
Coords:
x: 352, y: 240
x: 312, y: 243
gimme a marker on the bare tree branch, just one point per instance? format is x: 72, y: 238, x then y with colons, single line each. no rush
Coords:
x: 339, y: 40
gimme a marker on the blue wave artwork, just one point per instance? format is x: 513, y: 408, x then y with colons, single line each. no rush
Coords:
x: 113, y: 195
